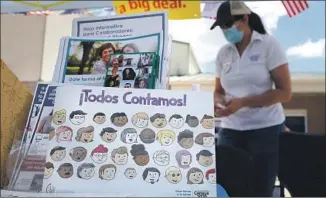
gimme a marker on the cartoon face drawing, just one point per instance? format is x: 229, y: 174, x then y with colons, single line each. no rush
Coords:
x: 195, y: 176
x: 129, y: 136
x: 205, y: 158
x: 108, y: 134
x: 59, y: 117
x: 65, y: 170
x: 186, y: 139
x: 140, y: 120
x: 161, y: 157
x: 120, y: 155
x: 85, y: 134
x: 192, y: 121
x: 165, y: 137
x: 107, y: 172
x: 77, y: 117
x: 119, y: 119
x: 183, y: 158
x: 78, y: 153
x: 173, y: 174
x: 176, y: 121
x: 99, y: 118
x: 85, y: 171
x: 147, y: 136
x: 99, y: 154
x: 211, y: 176
x: 130, y: 173
x: 151, y: 175
x: 207, y: 122
x: 58, y: 153
x: 50, y: 188
x: 158, y: 120
x: 205, y: 139
x: 140, y: 155
x: 48, y: 170
x: 64, y: 133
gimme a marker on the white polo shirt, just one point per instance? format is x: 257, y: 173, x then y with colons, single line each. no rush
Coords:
x: 249, y: 75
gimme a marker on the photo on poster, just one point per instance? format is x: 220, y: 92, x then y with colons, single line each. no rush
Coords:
x: 87, y: 59
x: 128, y: 26
x: 134, y: 70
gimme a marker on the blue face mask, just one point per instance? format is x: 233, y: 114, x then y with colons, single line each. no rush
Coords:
x: 233, y: 35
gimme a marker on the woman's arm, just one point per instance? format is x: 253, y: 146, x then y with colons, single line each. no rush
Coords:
x: 281, y: 93
x: 219, y: 91
x: 219, y: 98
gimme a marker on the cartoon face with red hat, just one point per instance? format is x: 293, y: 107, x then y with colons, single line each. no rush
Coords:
x: 211, y: 176
x: 99, y: 154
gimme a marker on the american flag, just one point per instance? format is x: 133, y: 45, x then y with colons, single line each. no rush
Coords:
x: 294, y: 7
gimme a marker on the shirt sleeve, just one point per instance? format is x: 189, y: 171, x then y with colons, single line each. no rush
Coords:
x: 218, y: 66
x: 275, y: 54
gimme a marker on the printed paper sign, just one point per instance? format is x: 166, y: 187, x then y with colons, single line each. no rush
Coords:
x: 155, y: 140
x: 128, y: 26
x: 30, y: 171
x: 87, y: 59
x: 178, y: 9
x: 35, y: 109
x: 31, y: 123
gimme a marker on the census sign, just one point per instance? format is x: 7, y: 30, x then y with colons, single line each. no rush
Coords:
x: 119, y: 141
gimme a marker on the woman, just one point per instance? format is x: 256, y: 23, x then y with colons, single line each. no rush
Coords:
x: 128, y: 74
x: 130, y: 48
x: 141, y: 84
x: 250, y: 109
x: 114, y: 79
x: 104, y: 52
x: 45, y: 124
x: 115, y: 63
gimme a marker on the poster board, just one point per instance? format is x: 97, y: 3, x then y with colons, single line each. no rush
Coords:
x: 127, y: 26
x: 84, y: 60
x: 154, y: 140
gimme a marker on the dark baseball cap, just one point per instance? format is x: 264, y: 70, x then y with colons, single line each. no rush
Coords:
x: 226, y: 10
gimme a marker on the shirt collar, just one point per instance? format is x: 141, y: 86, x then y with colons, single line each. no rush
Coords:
x: 256, y: 36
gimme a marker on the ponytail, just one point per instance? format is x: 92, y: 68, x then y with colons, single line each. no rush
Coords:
x: 255, y: 23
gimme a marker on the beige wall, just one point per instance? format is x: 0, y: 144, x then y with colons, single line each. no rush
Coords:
x: 56, y: 28
x: 30, y: 44
x: 22, y: 45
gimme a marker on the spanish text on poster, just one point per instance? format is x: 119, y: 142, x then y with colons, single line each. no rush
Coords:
x: 127, y: 26
x: 154, y: 140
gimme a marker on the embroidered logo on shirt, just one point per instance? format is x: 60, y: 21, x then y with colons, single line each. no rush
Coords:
x: 254, y: 58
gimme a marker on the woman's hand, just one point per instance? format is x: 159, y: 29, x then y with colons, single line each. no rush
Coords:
x: 219, y: 100
x: 231, y: 107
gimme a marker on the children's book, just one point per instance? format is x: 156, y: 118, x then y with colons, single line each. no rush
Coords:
x: 144, y: 143
x: 132, y: 70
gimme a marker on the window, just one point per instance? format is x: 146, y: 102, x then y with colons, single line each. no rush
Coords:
x: 296, y: 120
